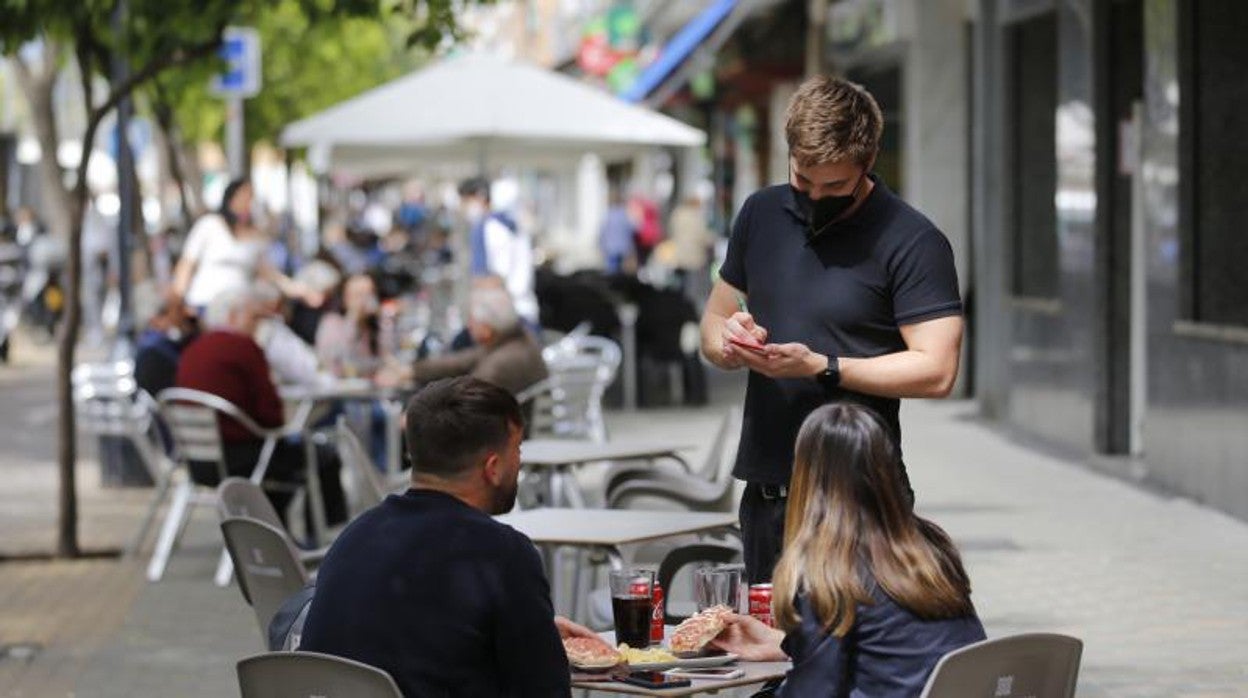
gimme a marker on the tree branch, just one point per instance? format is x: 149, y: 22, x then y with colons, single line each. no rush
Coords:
x: 158, y: 65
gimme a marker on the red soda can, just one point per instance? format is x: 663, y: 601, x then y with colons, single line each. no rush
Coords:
x: 760, y: 603
x: 656, y: 617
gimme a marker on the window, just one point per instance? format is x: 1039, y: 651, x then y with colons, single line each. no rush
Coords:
x: 1214, y: 166
x: 1033, y: 162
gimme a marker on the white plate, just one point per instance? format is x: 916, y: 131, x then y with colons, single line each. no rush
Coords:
x: 693, y: 663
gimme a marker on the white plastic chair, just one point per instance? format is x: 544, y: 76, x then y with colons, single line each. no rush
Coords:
x: 710, y: 489
x: 369, y: 486
x: 108, y: 402
x: 1037, y: 665
x: 303, y: 674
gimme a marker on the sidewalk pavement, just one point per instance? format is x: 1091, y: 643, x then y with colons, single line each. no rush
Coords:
x: 1154, y: 585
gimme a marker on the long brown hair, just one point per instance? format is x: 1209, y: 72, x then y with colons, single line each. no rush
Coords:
x: 848, y: 516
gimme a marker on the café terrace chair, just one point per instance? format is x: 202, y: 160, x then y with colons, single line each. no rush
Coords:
x: 567, y: 404
x: 108, y: 402
x: 191, y: 416
x: 711, y: 489
x: 238, y: 497
x: 619, y: 473
x: 266, y: 565
x: 369, y: 486
x: 1038, y: 665
x: 303, y: 674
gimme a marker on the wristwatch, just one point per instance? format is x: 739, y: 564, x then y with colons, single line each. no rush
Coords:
x: 830, y: 377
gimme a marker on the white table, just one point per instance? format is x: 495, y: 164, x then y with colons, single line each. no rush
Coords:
x: 557, y: 458
x: 605, y: 530
x: 754, y: 673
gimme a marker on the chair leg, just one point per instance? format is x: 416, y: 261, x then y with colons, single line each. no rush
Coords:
x: 225, y: 570
x: 158, y: 497
x: 169, y: 531
x: 315, y: 500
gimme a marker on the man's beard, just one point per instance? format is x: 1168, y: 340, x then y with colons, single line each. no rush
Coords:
x: 505, y: 499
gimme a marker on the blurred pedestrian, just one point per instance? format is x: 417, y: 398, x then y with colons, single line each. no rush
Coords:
x: 499, y: 247
x: 692, y: 241
x: 225, y: 251
x: 616, y: 238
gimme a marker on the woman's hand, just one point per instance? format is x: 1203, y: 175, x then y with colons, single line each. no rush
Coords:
x: 568, y: 629
x: 751, y: 640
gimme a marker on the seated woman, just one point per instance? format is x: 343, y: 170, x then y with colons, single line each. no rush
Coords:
x: 867, y: 596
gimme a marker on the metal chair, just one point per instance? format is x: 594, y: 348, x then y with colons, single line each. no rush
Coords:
x: 303, y: 674
x: 191, y: 416
x: 108, y: 402
x: 369, y: 485
x: 238, y: 497
x: 1041, y: 665
x: 712, y: 489
x: 266, y: 565
x: 693, y: 555
x: 568, y: 403
x: 619, y: 473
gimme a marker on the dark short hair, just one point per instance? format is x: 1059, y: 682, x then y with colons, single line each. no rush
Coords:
x: 452, y: 422
x: 475, y: 186
x: 231, y: 190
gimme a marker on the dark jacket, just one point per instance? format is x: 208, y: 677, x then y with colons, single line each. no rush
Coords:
x: 888, y: 653
x: 447, y: 600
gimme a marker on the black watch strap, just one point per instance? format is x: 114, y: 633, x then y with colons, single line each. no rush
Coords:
x: 830, y: 377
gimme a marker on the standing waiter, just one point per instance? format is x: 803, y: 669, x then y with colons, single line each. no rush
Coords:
x: 852, y: 297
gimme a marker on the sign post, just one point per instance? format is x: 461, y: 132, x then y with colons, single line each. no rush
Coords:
x: 240, y: 48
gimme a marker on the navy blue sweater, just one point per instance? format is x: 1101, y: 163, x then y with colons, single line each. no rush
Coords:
x: 888, y: 653
x: 443, y: 597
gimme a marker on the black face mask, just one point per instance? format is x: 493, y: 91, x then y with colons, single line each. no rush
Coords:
x: 821, y: 213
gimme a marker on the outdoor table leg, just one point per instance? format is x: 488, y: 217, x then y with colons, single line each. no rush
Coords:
x: 572, y: 495
x: 394, y: 441
x: 315, y: 501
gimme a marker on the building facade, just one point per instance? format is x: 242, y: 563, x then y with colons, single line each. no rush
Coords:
x: 1110, y: 315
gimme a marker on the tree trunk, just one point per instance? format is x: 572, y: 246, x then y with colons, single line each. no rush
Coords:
x: 38, y: 90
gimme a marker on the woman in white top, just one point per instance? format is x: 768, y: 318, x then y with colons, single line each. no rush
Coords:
x: 224, y: 252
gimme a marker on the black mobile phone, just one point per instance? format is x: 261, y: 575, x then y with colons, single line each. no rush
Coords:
x: 653, y: 679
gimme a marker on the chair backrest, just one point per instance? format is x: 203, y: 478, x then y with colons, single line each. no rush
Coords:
x: 1036, y: 665
x: 266, y: 566
x: 568, y: 403
x: 369, y: 483
x: 305, y: 674
x: 697, y: 555
x: 716, y: 467
x: 240, y: 497
x: 108, y: 402
x: 192, y: 419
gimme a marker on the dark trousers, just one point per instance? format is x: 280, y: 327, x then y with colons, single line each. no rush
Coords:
x: 761, y: 514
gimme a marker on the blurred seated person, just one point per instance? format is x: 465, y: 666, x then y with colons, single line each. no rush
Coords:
x: 292, y: 360
x: 504, y: 353
x: 349, y: 340
x: 867, y: 596
x: 427, y: 585
x: 226, y: 361
x: 159, y: 348
x: 323, y: 275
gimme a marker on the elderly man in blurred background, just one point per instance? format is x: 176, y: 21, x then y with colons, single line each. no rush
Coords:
x: 503, y: 352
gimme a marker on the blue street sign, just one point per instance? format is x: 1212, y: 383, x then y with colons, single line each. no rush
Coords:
x: 240, y: 48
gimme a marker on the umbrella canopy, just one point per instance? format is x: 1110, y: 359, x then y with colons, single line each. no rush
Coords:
x: 473, y: 107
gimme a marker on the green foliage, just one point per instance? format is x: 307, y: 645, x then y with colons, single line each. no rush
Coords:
x: 310, y: 60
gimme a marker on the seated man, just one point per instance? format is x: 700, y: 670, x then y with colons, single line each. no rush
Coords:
x: 227, y: 362
x: 503, y: 354
x: 159, y: 348
x: 428, y: 586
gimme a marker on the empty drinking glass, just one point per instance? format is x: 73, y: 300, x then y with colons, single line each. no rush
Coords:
x: 717, y: 586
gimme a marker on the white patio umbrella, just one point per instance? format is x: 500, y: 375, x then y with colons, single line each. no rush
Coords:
x: 480, y: 109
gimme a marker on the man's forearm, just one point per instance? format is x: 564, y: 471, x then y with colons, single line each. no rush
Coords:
x: 905, y: 374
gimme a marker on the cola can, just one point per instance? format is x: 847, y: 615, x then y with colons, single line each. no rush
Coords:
x: 760, y: 603
x: 656, y: 616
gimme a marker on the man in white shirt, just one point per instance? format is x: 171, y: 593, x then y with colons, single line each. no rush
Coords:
x: 500, y: 247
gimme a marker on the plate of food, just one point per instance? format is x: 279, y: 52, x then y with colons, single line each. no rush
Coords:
x: 589, y: 655
x: 688, y: 647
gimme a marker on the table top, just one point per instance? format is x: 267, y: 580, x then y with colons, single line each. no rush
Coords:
x: 611, y: 527
x: 338, y: 389
x: 754, y: 672
x: 556, y: 452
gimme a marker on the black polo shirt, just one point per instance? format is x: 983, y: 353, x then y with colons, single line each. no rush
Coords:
x: 845, y: 294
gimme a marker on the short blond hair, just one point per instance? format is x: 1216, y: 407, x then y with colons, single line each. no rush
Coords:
x: 832, y: 120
